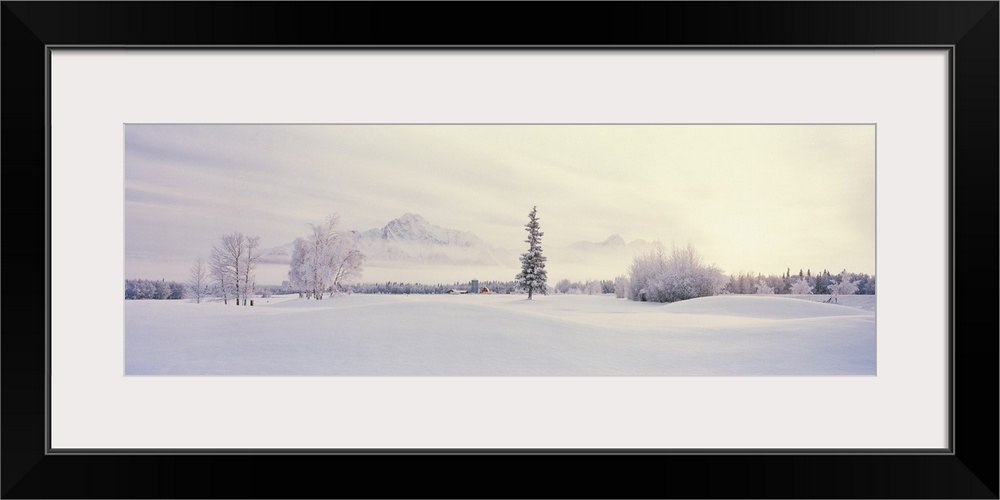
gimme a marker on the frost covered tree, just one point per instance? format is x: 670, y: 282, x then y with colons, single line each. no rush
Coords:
x: 251, y: 257
x: 763, y: 288
x: 644, y: 270
x: 233, y: 246
x: 231, y: 266
x: 533, y: 274
x: 348, y: 261
x: 161, y: 290
x: 621, y: 287
x: 152, y: 289
x: 198, y: 279
x: 298, y: 272
x: 801, y: 287
x: 177, y: 290
x: 324, y: 259
x: 219, y: 273
x: 656, y: 277
x: 845, y: 286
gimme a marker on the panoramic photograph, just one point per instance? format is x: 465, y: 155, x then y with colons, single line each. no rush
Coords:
x: 499, y: 250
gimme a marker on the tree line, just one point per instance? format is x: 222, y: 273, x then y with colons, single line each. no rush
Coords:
x: 658, y: 276
x: 589, y: 287
x: 400, y: 288
x: 141, y: 289
x: 804, y: 282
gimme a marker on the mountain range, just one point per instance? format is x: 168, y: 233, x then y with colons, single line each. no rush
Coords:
x: 413, y: 240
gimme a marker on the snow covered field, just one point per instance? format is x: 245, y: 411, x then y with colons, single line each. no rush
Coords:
x: 501, y: 335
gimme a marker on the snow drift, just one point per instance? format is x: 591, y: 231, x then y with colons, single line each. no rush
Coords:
x: 499, y: 335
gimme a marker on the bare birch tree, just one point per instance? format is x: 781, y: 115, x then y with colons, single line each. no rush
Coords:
x: 232, y: 264
x: 252, y: 255
x: 198, y: 279
x: 220, y: 273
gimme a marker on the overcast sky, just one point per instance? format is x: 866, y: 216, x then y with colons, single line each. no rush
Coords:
x: 748, y: 198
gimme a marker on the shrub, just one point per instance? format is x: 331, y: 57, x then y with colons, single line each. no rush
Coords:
x: 655, y: 277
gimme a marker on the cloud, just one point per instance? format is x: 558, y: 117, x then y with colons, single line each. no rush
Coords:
x: 752, y: 196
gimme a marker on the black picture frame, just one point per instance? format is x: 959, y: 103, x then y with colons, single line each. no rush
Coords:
x: 969, y: 28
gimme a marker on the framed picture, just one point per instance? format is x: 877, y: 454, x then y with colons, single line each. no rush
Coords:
x: 408, y: 297
x: 839, y: 141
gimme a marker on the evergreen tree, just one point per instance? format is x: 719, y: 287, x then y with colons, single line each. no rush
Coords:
x: 822, y: 285
x: 533, y: 274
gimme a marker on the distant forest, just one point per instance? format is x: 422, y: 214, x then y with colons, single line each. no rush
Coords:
x: 819, y: 283
x: 806, y: 281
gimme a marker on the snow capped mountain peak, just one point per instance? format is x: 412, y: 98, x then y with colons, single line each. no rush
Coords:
x: 411, y: 238
x: 414, y: 228
x: 411, y: 219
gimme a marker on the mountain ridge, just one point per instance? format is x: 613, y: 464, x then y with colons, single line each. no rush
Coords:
x: 412, y: 239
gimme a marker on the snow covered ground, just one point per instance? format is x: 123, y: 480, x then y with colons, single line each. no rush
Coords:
x: 502, y: 335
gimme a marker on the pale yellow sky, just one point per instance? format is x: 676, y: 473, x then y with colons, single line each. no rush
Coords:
x: 756, y: 198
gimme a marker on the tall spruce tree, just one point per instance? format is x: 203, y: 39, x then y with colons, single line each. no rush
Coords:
x: 533, y: 274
